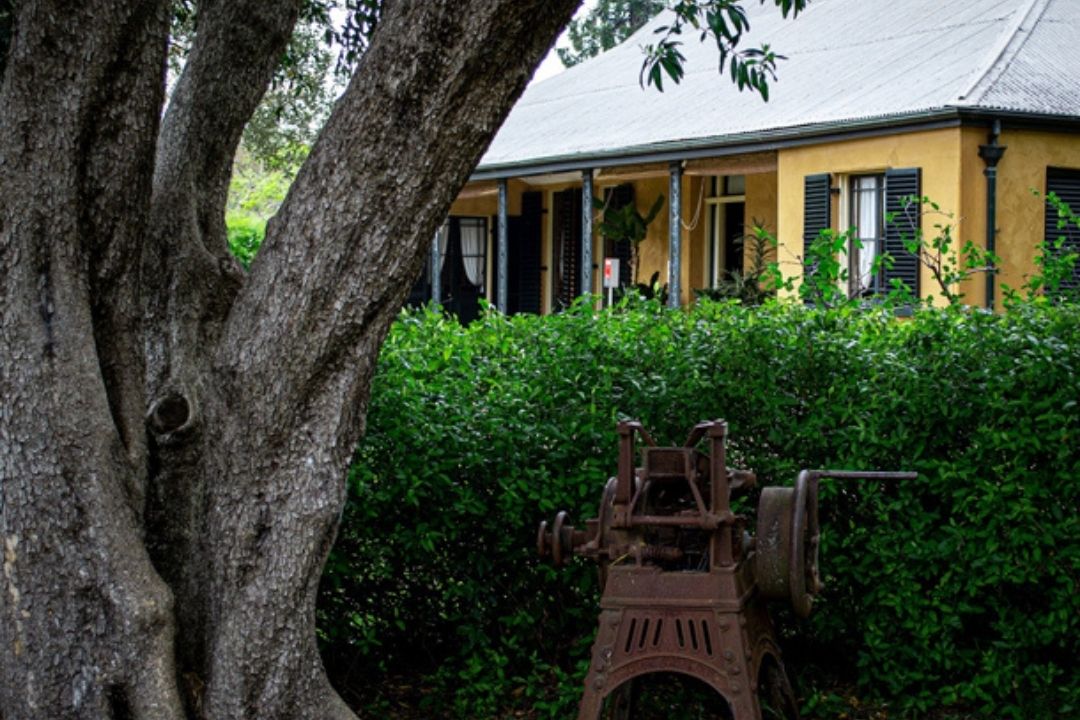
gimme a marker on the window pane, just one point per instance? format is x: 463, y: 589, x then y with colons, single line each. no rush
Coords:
x: 473, y: 246
x: 866, y: 221
x: 735, y: 185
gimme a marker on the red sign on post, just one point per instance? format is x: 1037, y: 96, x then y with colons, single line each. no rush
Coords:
x: 611, y: 272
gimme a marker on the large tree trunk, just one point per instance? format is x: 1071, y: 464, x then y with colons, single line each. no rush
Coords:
x: 174, y: 435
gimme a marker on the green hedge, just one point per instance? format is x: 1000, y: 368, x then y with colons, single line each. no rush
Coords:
x: 955, y: 592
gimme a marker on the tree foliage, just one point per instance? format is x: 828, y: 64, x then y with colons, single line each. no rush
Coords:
x: 308, y: 75
x: 724, y: 22
x: 605, y: 26
x: 285, y: 124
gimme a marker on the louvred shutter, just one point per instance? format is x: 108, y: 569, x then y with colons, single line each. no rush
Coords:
x: 1066, y: 185
x: 567, y: 223
x: 900, y: 184
x: 817, y: 213
x: 525, y: 255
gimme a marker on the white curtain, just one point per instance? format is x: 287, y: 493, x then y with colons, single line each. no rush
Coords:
x: 472, y: 251
x: 868, y: 230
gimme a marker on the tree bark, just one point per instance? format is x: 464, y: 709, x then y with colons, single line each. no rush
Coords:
x: 175, y: 436
x: 230, y: 65
x: 85, y: 622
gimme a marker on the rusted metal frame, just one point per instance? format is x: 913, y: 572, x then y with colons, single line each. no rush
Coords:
x: 646, y: 603
x: 691, y: 474
x: 626, y: 461
x: 644, y: 487
x: 805, y: 578
x: 860, y: 475
x: 626, y: 473
x: 718, y: 474
x: 698, y: 432
x: 721, y: 544
x: 705, y: 521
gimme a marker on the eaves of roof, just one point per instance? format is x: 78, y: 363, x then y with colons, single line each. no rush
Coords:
x: 779, y: 138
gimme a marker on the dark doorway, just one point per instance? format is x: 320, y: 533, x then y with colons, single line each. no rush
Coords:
x: 734, y: 230
x: 524, y: 233
x: 463, y: 268
x: 617, y: 198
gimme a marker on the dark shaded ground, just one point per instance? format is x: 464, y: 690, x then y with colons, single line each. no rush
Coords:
x: 403, y: 698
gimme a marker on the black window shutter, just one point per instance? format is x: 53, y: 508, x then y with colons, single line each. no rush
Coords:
x: 902, y: 183
x: 817, y: 212
x: 1066, y: 185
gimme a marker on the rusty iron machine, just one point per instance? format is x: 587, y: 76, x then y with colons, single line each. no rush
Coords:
x: 684, y: 584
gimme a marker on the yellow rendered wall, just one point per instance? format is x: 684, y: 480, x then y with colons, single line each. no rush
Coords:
x: 937, y: 152
x: 694, y: 236
x: 694, y: 212
x: 761, y: 206
x: 1020, y: 214
x: 971, y: 215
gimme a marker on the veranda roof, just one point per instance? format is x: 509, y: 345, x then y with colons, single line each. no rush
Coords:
x: 851, y: 64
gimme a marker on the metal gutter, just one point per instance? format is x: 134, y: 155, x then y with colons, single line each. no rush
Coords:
x: 769, y: 140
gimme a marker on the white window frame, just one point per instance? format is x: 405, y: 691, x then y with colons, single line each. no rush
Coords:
x: 846, y: 208
x: 716, y: 206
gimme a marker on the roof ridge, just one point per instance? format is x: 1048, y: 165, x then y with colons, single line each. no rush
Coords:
x: 1010, y: 40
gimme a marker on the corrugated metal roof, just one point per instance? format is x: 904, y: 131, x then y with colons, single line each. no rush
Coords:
x: 1037, y: 73
x: 848, y: 61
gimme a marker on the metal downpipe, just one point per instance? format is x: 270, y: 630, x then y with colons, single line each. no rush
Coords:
x: 991, y: 153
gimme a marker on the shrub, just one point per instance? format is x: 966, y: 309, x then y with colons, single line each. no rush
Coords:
x: 245, y: 235
x: 957, y: 591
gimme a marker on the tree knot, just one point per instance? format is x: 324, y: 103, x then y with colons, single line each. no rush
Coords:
x: 170, y: 413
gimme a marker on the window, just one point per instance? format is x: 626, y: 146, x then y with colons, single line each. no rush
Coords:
x: 474, y: 249
x: 866, y: 199
x: 727, y: 226
x: 459, y: 282
x: 866, y: 195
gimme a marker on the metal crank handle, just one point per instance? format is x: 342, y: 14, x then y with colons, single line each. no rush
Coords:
x: 862, y: 475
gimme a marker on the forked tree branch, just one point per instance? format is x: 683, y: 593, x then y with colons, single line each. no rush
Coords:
x: 427, y: 97
x: 294, y: 365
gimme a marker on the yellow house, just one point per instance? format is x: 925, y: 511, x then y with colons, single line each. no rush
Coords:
x: 973, y: 103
